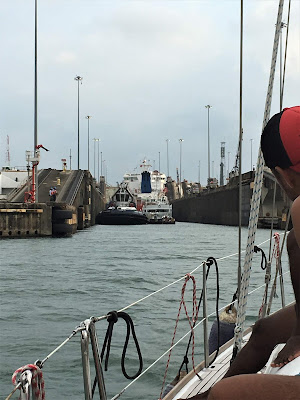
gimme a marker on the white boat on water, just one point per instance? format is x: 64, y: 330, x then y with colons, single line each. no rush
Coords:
x: 149, y: 188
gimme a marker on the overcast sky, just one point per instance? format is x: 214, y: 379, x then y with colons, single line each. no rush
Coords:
x: 149, y: 68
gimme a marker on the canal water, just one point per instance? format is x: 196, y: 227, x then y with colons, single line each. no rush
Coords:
x: 50, y: 285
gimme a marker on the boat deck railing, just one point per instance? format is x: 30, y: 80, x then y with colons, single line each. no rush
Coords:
x: 88, y: 334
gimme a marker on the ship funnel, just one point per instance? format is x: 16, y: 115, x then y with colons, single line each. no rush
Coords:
x: 146, y: 182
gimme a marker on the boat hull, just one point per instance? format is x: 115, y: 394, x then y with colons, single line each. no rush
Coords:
x: 117, y: 217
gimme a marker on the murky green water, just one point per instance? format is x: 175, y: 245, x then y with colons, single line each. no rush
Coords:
x: 48, y: 286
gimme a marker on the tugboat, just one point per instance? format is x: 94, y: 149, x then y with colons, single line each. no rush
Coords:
x: 121, y: 210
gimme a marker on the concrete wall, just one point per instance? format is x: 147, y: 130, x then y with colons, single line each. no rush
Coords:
x: 25, y: 220
x: 89, y: 202
x: 219, y: 206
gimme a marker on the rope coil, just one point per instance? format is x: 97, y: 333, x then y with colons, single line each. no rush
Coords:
x: 112, y: 319
x: 36, y: 380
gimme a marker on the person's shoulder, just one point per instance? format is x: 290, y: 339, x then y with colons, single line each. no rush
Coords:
x: 295, y: 210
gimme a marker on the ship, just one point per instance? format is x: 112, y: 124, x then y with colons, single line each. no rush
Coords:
x: 150, y: 191
x: 121, y: 210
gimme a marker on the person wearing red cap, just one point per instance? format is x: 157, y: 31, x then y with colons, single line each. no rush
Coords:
x: 280, y: 144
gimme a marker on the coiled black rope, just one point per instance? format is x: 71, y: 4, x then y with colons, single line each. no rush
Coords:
x: 112, y: 318
x: 263, y: 263
x: 209, y: 262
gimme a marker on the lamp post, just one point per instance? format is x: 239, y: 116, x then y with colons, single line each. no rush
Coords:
x: 159, y: 161
x: 88, y: 117
x: 95, y: 140
x: 101, y: 163
x: 208, y: 148
x: 35, y: 102
x: 180, y: 145
x: 105, y: 170
x: 78, y: 79
x: 167, y: 140
x: 98, y: 160
x: 251, y: 140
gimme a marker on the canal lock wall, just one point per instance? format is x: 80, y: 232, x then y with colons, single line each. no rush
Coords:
x: 79, y: 202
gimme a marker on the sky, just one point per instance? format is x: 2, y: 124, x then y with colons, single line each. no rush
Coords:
x: 149, y: 67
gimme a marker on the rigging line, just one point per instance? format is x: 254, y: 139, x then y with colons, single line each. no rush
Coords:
x: 280, y: 258
x: 254, y: 290
x: 272, y: 221
x: 239, y: 274
x: 285, y: 53
x: 41, y: 363
x: 256, y: 196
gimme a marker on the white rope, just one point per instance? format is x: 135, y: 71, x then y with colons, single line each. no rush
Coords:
x: 256, y: 196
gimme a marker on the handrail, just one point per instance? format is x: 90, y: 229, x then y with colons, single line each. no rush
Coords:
x: 74, y: 188
x: 17, y: 191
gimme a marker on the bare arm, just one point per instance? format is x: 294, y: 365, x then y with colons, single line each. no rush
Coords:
x: 295, y: 213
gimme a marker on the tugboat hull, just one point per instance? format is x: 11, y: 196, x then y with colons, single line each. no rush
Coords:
x: 118, y: 217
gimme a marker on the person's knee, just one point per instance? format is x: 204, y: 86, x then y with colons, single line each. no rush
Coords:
x: 222, y: 390
x: 262, y: 334
x: 259, y: 328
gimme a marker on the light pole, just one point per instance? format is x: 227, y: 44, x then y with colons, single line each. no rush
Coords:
x: 251, y: 140
x: 98, y: 160
x: 167, y: 140
x: 159, y: 161
x: 78, y: 79
x: 180, y: 145
x: 101, y: 163
x: 35, y: 103
x: 95, y: 140
x: 105, y: 170
x: 228, y: 164
x: 208, y: 148
x: 88, y: 117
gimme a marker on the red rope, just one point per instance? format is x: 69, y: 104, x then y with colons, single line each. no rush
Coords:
x: 276, y: 249
x: 192, y: 320
x: 37, y: 381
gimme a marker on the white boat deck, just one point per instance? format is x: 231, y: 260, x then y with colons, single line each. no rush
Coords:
x: 191, y: 385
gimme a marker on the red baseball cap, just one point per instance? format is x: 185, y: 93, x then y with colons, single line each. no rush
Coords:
x: 280, y: 140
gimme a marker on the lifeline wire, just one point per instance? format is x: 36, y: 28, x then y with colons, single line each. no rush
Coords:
x: 95, y: 319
